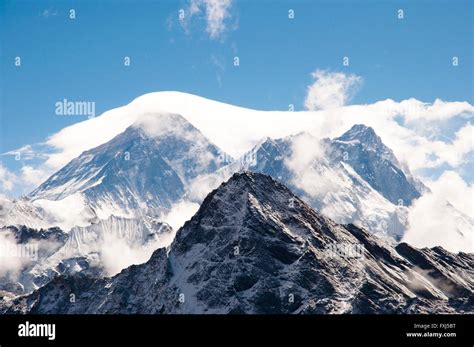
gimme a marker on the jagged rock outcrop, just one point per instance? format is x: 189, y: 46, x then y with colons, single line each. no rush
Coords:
x: 254, y: 247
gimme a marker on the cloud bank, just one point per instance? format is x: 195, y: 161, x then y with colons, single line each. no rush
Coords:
x: 401, y: 125
x: 445, y: 216
x: 235, y: 129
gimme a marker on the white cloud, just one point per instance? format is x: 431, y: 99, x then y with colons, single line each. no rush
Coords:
x: 301, y: 163
x: 7, y: 179
x: 66, y: 213
x: 23, y: 182
x: 116, y: 253
x: 411, y: 144
x: 451, y: 187
x: 217, y: 121
x: 414, y: 110
x: 453, y: 153
x: 33, y: 176
x: 422, y: 152
x: 200, y: 187
x: 13, y: 257
x: 23, y: 153
x: 434, y: 222
x: 215, y: 12
x: 330, y: 89
x: 180, y: 213
x: 445, y: 216
x: 236, y: 129
x: 29, y: 175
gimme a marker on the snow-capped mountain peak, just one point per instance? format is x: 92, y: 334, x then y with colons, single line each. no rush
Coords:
x: 328, y: 184
x: 255, y: 247
x: 364, y: 150
x: 144, y: 168
x: 360, y: 132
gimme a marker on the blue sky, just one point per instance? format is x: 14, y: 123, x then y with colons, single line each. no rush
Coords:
x: 82, y: 59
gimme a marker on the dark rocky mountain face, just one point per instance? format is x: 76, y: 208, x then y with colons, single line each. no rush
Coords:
x: 361, y: 148
x: 255, y: 247
x: 326, y: 182
x: 24, y: 234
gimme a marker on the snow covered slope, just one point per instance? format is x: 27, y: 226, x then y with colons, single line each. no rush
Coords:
x: 353, y: 178
x: 22, y: 212
x: 113, y: 244
x: 362, y: 149
x: 328, y: 184
x: 101, y: 249
x: 43, y: 214
x: 254, y: 247
x: 142, y: 170
x: 36, y: 245
x: 138, y: 160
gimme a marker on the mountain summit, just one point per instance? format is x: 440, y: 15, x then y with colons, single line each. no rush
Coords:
x: 144, y: 168
x: 361, y: 132
x: 315, y: 170
x: 255, y: 247
x: 361, y: 148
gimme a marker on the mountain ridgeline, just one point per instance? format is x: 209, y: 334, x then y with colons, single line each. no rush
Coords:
x: 352, y: 179
x: 255, y: 247
x: 138, y: 170
x: 153, y: 164
x: 364, y: 151
x: 125, y: 192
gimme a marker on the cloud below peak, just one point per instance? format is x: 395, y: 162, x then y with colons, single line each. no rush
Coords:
x: 444, y: 216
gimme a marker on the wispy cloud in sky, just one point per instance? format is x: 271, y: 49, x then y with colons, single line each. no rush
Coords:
x: 216, y: 14
x: 217, y: 11
x: 49, y: 12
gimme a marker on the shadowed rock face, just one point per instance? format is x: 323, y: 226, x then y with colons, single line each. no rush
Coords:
x: 254, y: 247
x: 354, y: 179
